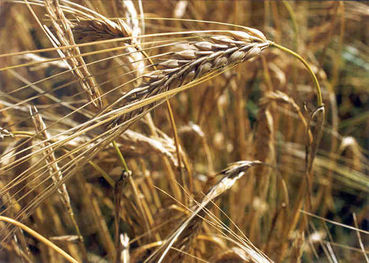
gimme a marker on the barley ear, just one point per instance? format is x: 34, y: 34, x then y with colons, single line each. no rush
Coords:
x: 186, y: 231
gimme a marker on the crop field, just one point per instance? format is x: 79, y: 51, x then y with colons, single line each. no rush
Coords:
x: 184, y: 131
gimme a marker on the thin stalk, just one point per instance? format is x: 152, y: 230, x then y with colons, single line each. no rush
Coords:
x: 120, y: 155
x: 103, y: 173
x: 316, y: 83
x: 176, y: 139
x: 39, y: 237
x: 290, y: 11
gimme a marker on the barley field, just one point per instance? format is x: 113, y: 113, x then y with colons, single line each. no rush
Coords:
x: 184, y: 131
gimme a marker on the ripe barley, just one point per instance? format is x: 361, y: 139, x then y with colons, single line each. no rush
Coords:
x: 72, y: 56
x: 186, y: 232
x: 193, y: 60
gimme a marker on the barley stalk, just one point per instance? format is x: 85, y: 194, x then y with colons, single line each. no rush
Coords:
x: 39, y: 237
